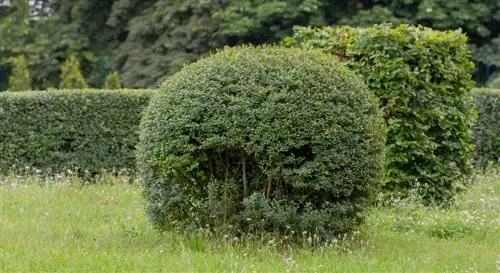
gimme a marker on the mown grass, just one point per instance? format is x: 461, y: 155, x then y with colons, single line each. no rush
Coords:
x: 64, y: 227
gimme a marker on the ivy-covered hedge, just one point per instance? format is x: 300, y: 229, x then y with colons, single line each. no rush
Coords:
x: 487, y: 128
x: 54, y: 131
x: 423, y: 80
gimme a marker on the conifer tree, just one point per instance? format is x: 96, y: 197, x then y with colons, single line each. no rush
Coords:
x: 20, y: 79
x: 113, y: 81
x: 71, y: 76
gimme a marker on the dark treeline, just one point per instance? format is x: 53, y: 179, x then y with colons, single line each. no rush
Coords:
x: 148, y: 40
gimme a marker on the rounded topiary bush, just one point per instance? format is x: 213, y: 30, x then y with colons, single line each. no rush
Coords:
x: 261, y: 139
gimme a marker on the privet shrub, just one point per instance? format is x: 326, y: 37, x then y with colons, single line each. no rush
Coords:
x: 423, y: 80
x: 261, y: 139
x: 54, y: 131
x: 487, y: 128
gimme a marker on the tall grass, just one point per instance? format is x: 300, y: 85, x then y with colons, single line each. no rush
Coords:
x: 58, y: 225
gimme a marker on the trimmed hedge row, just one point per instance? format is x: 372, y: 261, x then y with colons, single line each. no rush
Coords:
x: 487, y: 128
x: 423, y: 80
x: 54, y: 131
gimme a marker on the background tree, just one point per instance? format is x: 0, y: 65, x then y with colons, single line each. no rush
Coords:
x: 495, y: 82
x: 161, y: 36
x: 148, y: 40
x: 71, y: 76
x: 489, y: 54
x: 15, y: 30
x: 20, y: 79
x: 14, y: 34
x: 368, y: 17
x: 113, y: 81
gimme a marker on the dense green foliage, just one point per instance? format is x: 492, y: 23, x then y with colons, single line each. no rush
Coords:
x: 487, y: 129
x: 171, y: 33
x: 147, y: 40
x: 71, y: 76
x: 20, y: 79
x: 262, y: 139
x: 113, y: 81
x: 490, y: 53
x: 495, y: 82
x: 422, y: 78
x: 55, y: 131
x: 46, y: 35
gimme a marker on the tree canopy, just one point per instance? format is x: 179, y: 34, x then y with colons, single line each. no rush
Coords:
x: 148, y: 40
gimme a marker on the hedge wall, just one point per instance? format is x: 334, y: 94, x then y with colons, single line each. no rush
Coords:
x: 54, y: 131
x: 423, y: 80
x: 487, y: 128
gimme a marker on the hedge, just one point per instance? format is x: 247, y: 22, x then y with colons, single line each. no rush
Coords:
x: 423, y: 80
x: 262, y: 139
x: 55, y: 131
x: 487, y: 128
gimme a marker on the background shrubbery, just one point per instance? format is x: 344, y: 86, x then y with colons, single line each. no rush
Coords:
x: 127, y: 35
x: 487, y: 129
x: 20, y: 80
x: 262, y: 140
x: 60, y: 130
x: 422, y: 78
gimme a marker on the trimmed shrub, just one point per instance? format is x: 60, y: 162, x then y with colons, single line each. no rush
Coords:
x: 261, y: 139
x: 20, y: 79
x: 423, y: 80
x: 487, y: 128
x: 71, y: 76
x: 113, y: 81
x: 55, y: 131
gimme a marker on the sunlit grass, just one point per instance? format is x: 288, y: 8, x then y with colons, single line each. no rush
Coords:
x: 66, y: 227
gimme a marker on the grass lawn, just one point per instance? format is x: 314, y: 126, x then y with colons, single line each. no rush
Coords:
x: 103, y: 228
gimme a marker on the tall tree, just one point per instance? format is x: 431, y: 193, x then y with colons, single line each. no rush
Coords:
x: 168, y: 34
x: 165, y: 36
x: 375, y: 15
x: 148, y: 40
x: 20, y: 79
x: 46, y: 31
x: 480, y: 19
x: 262, y: 21
x: 74, y: 27
x: 14, y: 34
x: 490, y: 53
x: 15, y: 30
x: 71, y: 77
